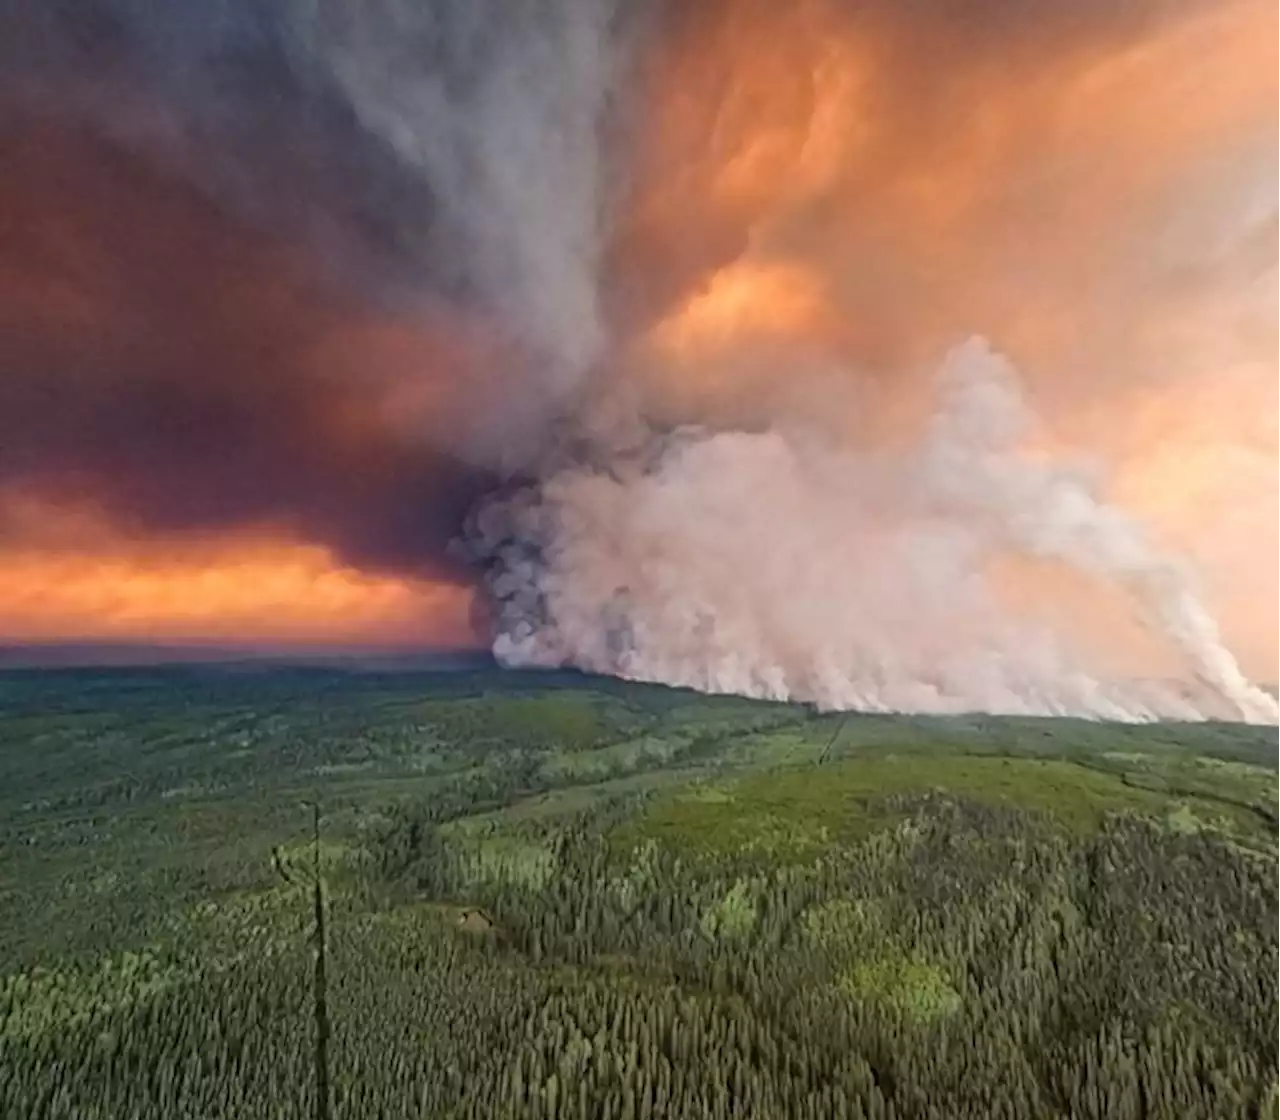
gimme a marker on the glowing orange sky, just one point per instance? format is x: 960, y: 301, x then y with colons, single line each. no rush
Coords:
x: 261, y: 593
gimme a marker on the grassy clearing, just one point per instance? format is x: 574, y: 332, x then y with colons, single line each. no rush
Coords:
x: 795, y: 813
x: 913, y: 987
x: 872, y: 964
x: 735, y: 915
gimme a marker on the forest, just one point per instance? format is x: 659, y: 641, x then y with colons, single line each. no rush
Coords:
x: 262, y: 892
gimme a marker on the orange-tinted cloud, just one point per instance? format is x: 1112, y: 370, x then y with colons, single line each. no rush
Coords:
x: 69, y: 574
x: 935, y: 176
x: 252, y: 594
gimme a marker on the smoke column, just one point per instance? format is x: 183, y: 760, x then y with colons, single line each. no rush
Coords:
x: 664, y: 324
x: 721, y: 533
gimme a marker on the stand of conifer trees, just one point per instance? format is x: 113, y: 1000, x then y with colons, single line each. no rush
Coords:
x: 967, y: 963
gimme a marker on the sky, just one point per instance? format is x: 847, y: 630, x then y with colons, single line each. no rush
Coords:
x: 287, y: 290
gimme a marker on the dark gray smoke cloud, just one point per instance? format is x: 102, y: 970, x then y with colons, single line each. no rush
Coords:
x: 239, y: 237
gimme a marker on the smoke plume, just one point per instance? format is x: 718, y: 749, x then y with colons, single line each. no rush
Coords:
x: 664, y: 325
x: 772, y: 566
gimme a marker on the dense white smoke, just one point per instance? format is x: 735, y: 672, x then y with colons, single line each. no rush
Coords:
x: 780, y: 566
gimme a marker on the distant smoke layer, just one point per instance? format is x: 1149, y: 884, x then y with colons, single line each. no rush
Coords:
x: 653, y: 319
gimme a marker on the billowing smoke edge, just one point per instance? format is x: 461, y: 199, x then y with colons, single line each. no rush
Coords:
x: 712, y: 560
